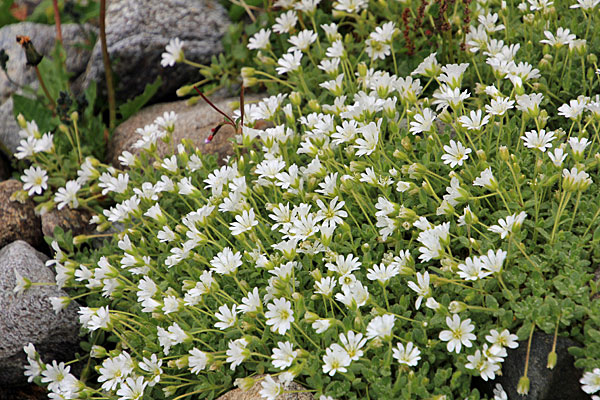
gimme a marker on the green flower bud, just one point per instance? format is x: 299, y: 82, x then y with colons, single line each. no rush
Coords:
x: 523, y: 386
x: 552, y: 357
x: 184, y: 90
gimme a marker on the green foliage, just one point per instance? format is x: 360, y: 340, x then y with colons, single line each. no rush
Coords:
x: 134, y: 105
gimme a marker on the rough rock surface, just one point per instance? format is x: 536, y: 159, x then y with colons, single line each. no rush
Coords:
x: 559, y: 383
x: 193, y: 123
x: 74, y: 220
x: 42, y: 36
x: 137, y: 32
x: 17, y: 221
x: 253, y: 393
x: 29, y: 317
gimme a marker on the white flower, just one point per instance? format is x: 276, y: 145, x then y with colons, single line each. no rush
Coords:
x: 336, y: 50
x: 280, y: 315
x: 502, y: 339
x: 578, y: 145
x: 302, y: 40
x: 474, y: 122
x: 506, y: 226
x: 289, y: 62
x: 472, y: 269
x: 421, y: 287
x: 367, y: 144
x: 284, y: 355
x: 486, y: 367
x: 351, y: 6
x: 408, y: 355
x: 459, y: 333
x: 260, y: 40
x: 325, y: 286
x: 321, y: 325
x: 237, y: 352
x: 499, y: 393
x: 381, y: 327
x: 538, y: 140
x: 382, y: 273
x: 563, y: 37
x: 270, y: 389
x: 590, y: 382
x: 226, y: 262
x: 35, y: 180
x: 456, y: 153
x: 493, y: 260
x: 227, y: 318
x: 353, y: 343
x: 499, y: 106
x: 132, y: 389
x: 586, y: 4
x: 376, y: 49
x: 452, y: 74
x: 251, y: 303
x: 574, y: 109
x: 335, y: 360
x: 557, y: 156
x: 422, y: 122
x: 173, y: 54
x: 285, y: 22
x: 243, y: 223
x: 575, y: 180
x: 429, y: 67
x: 67, y: 195
x: 486, y: 179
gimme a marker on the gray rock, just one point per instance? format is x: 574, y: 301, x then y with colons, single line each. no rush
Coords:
x: 560, y: 383
x: 29, y: 317
x: 18, y: 220
x: 137, y: 32
x: 193, y: 123
x: 42, y: 36
x: 9, y: 134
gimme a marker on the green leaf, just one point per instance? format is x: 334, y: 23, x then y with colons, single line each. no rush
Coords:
x: 33, y: 110
x: 135, y: 104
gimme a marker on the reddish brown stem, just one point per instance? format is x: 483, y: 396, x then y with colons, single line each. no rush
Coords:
x: 57, y: 21
x: 210, y: 103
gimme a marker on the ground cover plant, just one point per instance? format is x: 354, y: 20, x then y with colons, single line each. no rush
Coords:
x: 408, y: 216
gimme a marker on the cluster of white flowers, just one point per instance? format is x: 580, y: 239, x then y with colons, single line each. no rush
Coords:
x: 291, y: 251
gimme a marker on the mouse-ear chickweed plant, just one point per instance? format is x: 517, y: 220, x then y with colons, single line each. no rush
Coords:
x: 401, y: 223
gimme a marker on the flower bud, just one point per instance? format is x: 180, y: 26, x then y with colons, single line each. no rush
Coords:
x: 362, y: 69
x: 552, y: 357
x: 456, y: 307
x: 98, y: 352
x: 504, y: 155
x: 21, y: 121
x: 523, y: 386
x: 296, y: 99
x: 314, y: 105
x: 184, y: 90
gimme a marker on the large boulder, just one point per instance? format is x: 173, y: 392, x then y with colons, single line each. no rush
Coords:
x: 18, y: 220
x: 193, y: 123
x: 43, y: 38
x: 29, y: 317
x: 137, y: 32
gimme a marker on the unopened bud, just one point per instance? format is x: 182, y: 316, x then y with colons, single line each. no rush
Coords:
x: 523, y: 386
x: 552, y: 357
